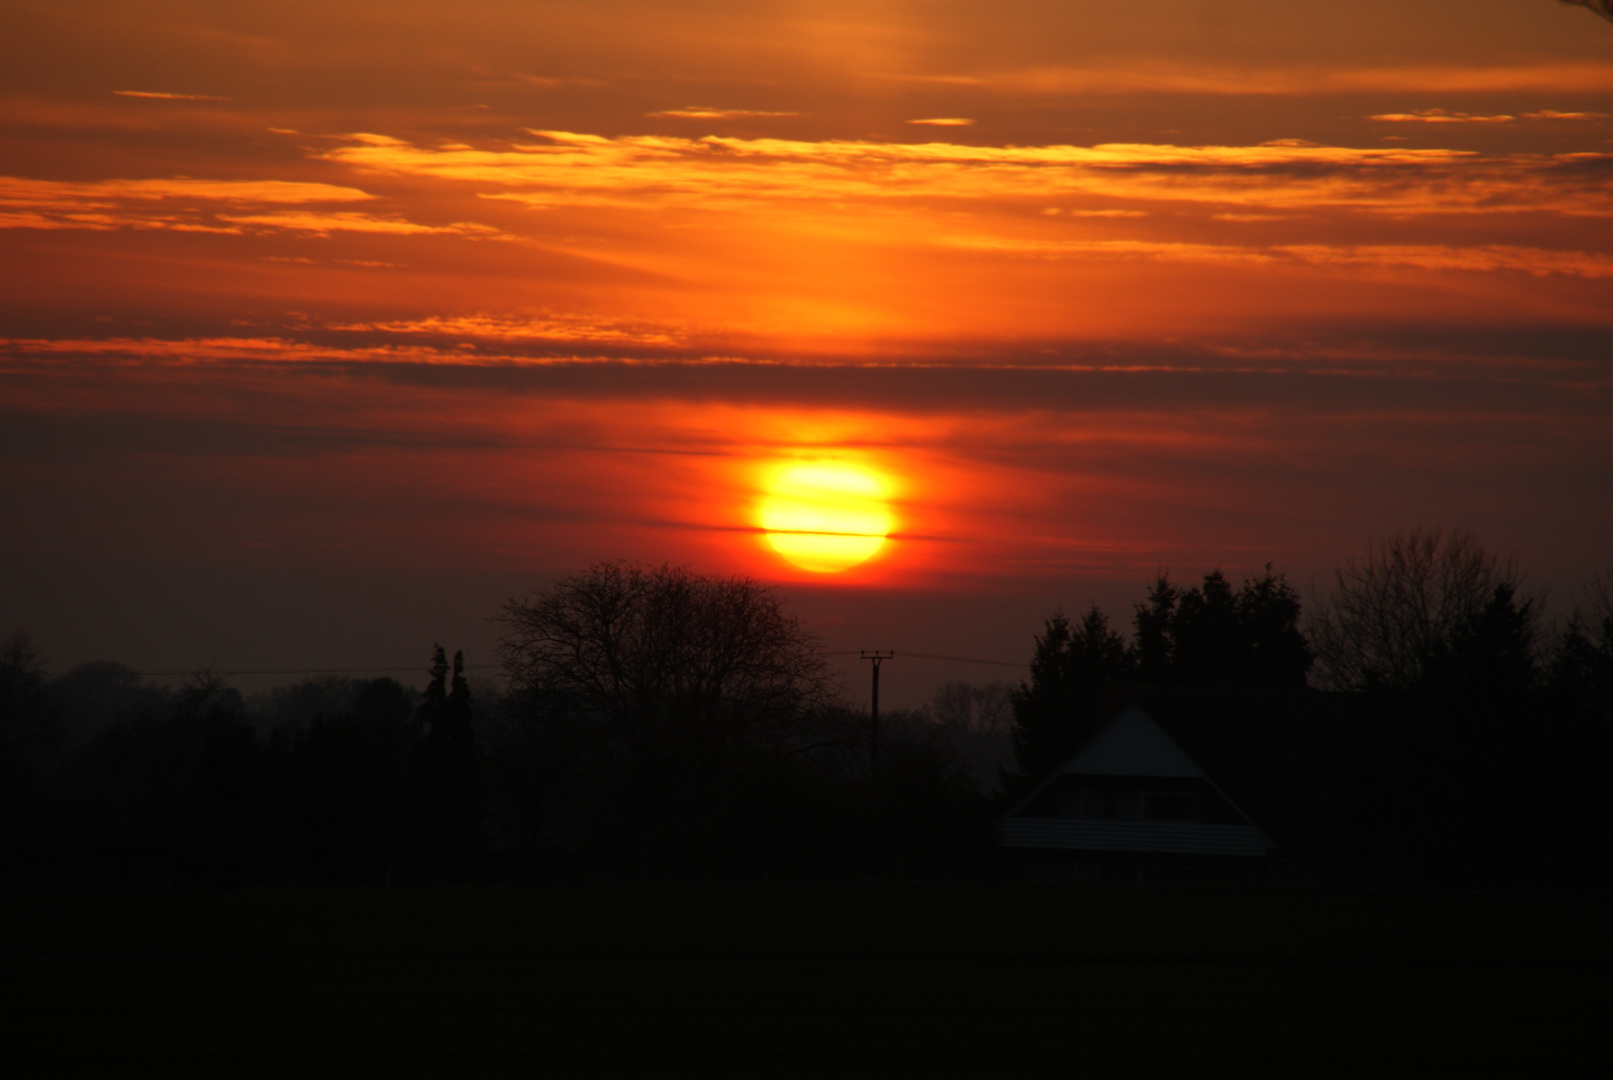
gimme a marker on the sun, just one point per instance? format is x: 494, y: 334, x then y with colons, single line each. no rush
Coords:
x: 826, y: 516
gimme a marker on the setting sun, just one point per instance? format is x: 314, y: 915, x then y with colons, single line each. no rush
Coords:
x: 826, y: 517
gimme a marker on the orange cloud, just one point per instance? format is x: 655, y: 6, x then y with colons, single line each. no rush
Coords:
x: 1153, y: 77
x: 1440, y: 116
x: 345, y: 221
x: 161, y: 96
x: 1481, y: 258
x: 1553, y: 114
x: 14, y: 189
x: 571, y: 169
x: 557, y: 328
x: 160, y: 204
x: 1477, y: 258
x: 702, y: 112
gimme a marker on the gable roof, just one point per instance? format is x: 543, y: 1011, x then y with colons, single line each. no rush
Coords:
x: 1132, y: 744
x: 1280, y: 756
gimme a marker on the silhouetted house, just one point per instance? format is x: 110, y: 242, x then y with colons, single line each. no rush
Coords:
x: 1133, y: 805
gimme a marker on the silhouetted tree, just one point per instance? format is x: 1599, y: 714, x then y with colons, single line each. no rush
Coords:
x: 1400, y: 611
x: 1210, y: 635
x: 223, y: 812
x: 1581, y: 668
x: 663, y: 689
x: 1070, y: 668
x: 1473, y: 774
x: 25, y: 719
x: 346, y: 780
x: 95, y: 697
x: 445, y: 797
x: 27, y: 733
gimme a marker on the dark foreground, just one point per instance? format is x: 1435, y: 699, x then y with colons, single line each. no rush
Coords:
x: 779, y: 980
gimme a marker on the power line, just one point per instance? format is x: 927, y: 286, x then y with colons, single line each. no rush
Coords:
x: 939, y: 656
x: 308, y: 671
x: 418, y: 668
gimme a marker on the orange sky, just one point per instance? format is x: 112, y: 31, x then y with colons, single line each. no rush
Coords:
x: 496, y: 289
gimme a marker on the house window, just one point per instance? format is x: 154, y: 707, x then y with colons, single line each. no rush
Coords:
x: 1171, y: 805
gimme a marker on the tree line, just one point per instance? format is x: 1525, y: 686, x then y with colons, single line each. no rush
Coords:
x: 655, y: 722
x: 1467, y: 740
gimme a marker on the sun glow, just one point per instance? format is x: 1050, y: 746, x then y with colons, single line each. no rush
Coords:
x: 826, y: 517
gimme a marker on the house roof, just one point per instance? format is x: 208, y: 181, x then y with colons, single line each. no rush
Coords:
x: 1275, y: 754
x: 1132, y: 744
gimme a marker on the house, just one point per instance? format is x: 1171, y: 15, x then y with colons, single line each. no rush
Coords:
x: 1132, y: 805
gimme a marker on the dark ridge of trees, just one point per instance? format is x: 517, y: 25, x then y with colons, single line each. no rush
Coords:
x: 659, y: 723
x: 663, y: 724
x: 1467, y: 742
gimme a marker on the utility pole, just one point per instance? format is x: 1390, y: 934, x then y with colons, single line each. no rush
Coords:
x: 875, y: 657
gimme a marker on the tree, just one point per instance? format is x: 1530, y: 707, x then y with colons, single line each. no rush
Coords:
x: 1410, y: 606
x: 1210, y: 635
x: 1581, y: 672
x: 26, y: 731
x: 25, y: 720
x: 661, y: 688
x: 444, y: 800
x: 1069, y: 670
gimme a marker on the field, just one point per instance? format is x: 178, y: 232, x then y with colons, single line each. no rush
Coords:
x: 771, y: 980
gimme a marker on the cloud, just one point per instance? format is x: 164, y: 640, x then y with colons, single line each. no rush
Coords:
x: 346, y: 221
x: 702, y: 112
x: 1057, y: 211
x: 644, y: 172
x: 945, y: 121
x: 1152, y: 77
x: 1553, y: 114
x: 16, y: 188
x: 519, y: 329
x: 1538, y: 262
x: 1483, y: 258
x: 161, y: 96
x: 1377, y: 369
x: 1172, y: 251
x: 1440, y: 116
x: 182, y: 204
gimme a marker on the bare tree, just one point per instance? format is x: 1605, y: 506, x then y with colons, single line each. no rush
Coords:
x: 664, y: 686
x: 1398, y: 609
